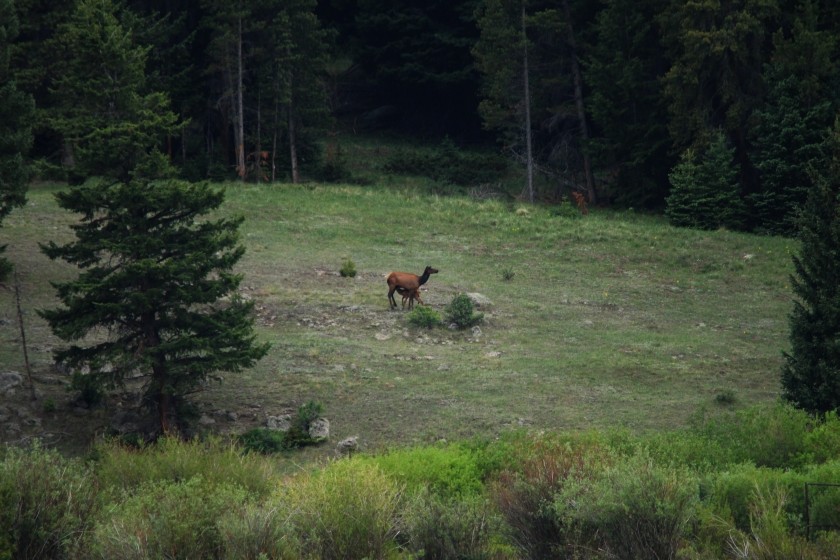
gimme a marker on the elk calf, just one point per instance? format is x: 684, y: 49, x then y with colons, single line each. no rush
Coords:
x: 408, y: 285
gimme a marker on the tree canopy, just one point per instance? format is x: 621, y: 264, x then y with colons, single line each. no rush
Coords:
x: 618, y: 90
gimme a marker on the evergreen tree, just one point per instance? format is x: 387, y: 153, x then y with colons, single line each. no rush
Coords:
x: 704, y: 192
x: 105, y: 113
x: 811, y: 374
x: 623, y: 70
x: 790, y: 126
x: 292, y: 74
x: 716, y: 51
x: 417, y: 53
x: 16, y: 115
x: 154, y: 275
x: 788, y: 141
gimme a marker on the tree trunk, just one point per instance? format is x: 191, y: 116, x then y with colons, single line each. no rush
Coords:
x: 239, y: 113
x: 293, y: 145
x: 258, y: 146
x: 529, y: 155
x: 584, y: 128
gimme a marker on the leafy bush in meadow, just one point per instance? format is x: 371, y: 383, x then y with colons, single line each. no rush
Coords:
x: 424, y: 317
x: 170, y: 459
x: 348, y: 510
x: 771, y: 436
x: 258, y: 532
x: 637, y: 509
x: 443, y: 528
x: 47, y: 504
x: 449, y: 472
x: 537, y: 500
x: 461, y: 312
x: 167, y: 519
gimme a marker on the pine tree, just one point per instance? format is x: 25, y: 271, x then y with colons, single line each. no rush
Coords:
x: 790, y: 127
x: 150, y: 299
x: 623, y: 73
x: 16, y: 114
x: 114, y: 125
x: 705, y: 189
x: 811, y: 374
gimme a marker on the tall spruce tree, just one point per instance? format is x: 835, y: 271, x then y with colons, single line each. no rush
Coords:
x: 16, y: 113
x: 623, y: 71
x: 149, y: 299
x: 108, y: 118
x: 811, y: 374
x: 790, y: 127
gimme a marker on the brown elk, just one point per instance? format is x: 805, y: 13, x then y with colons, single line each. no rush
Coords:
x: 408, y: 285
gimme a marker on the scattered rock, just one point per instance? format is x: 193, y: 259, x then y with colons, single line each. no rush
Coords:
x: 282, y: 422
x: 348, y: 445
x: 382, y: 336
x: 205, y: 420
x: 319, y: 429
x: 493, y: 354
x: 479, y: 300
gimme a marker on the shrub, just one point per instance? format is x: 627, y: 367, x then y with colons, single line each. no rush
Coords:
x: 536, y: 502
x: 461, y: 312
x: 730, y: 494
x: 440, y: 529
x: 822, y: 443
x: 47, y: 504
x: 638, y: 509
x: 769, y: 537
x: 167, y: 520
x: 425, y: 317
x: 771, y: 436
x: 258, y: 532
x: 448, y: 472
x: 263, y: 440
x: 348, y: 269
x: 348, y: 510
x: 170, y: 459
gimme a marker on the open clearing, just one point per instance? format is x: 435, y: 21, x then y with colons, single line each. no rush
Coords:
x: 610, y: 319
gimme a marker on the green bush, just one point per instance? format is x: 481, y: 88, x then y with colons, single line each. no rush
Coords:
x: 638, y: 509
x: 448, y: 472
x: 348, y: 510
x: 170, y: 459
x: 822, y: 443
x: 441, y: 529
x: 768, y: 435
x: 47, y: 504
x: 264, y: 441
x: 461, y: 312
x: 537, y: 500
x: 448, y: 164
x: 730, y: 494
x: 167, y: 520
x: 424, y: 317
x: 769, y: 535
x: 258, y: 532
x: 348, y: 269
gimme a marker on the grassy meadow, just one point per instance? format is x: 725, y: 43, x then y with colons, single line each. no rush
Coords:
x: 613, y: 319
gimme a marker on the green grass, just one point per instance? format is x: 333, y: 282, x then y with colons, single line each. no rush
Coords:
x: 612, y: 319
